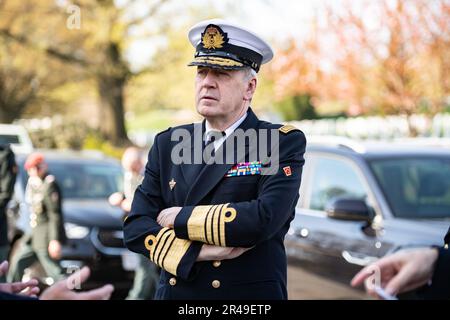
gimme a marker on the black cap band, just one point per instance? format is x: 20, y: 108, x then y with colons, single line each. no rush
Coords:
x: 248, y: 57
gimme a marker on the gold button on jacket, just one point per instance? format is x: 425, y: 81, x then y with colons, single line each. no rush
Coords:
x: 172, y: 281
x: 216, y: 284
x: 217, y: 263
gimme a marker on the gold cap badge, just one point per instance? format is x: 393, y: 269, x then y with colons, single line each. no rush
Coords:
x: 213, y: 37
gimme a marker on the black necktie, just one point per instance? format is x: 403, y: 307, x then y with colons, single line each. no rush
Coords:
x: 213, y: 137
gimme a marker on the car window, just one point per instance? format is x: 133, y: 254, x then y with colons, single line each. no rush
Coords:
x: 415, y: 188
x: 334, y: 178
x: 9, y: 139
x: 85, y: 180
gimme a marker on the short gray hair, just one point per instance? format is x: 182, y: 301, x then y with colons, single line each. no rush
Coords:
x: 249, y: 73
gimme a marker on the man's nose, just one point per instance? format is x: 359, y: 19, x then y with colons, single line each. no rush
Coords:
x: 209, y: 81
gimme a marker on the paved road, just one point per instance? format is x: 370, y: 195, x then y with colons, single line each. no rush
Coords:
x: 304, y: 285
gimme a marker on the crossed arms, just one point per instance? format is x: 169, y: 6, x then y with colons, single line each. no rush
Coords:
x: 176, y: 237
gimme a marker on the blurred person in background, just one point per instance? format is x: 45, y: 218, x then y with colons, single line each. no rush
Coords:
x: 62, y: 290
x: 44, y: 240
x: 146, y: 273
x: 8, y: 174
x: 426, y: 269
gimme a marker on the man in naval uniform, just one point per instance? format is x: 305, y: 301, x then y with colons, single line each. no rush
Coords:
x: 216, y: 227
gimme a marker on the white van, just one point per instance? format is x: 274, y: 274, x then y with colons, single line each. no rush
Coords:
x: 17, y: 136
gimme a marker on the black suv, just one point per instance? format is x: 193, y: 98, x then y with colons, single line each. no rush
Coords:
x: 93, y: 227
x: 359, y: 202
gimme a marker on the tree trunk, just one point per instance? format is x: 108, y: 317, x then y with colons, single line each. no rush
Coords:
x: 16, y: 93
x: 9, y: 115
x: 112, y: 122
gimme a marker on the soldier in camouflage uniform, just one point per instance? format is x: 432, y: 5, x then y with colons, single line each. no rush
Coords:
x: 147, y: 273
x: 45, y: 239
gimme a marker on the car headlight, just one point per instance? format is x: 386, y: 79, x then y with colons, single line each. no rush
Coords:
x: 74, y: 231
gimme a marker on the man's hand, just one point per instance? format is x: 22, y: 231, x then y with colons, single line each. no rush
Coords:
x: 166, y: 218
x: 210, y: 253
x: 54, y: 249
x: 62, y: 290
x: 116, y: 199
x: 28, y: 288
x: 400, y: 272
x: 126, y: 205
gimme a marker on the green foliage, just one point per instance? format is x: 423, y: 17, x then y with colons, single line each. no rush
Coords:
x: 73, y: 135
x: 297, y: 107
x: 64, y: 135
x: 94, y: 141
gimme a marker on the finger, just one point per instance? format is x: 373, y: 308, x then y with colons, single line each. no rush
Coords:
x: 32, y: 292
x: 78, y: 277
x: 103, y: 293
x: 362, y: 275
x: 399, y: 282
x: 17, y: 287
x: 235, y: 252
x: 382, y: 264
x: 160, y: 217
x: 4, y: 268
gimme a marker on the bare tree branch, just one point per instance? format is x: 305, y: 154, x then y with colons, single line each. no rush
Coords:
x: 151, y: 12
x: 64, y: 56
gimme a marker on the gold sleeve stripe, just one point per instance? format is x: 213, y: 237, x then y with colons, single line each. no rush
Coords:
x: 207, y: 223
x: 170, y: 242
x: 215, y: 225
x: 196, y: 223
x: 157, y: 243
x: 221, y: 231
x: 166, y: 250
x: 227, y: 215
x: 160, y: 246
x: 177, y: 251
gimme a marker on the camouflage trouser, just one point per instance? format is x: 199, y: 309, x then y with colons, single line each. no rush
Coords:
x: 26, y: 256
x: 4, y: 250
x: 146, y: 278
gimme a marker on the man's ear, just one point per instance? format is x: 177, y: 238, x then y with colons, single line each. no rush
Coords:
x: 250, y: 90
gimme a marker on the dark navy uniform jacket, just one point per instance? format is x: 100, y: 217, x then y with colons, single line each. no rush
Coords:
x: 233, y: 211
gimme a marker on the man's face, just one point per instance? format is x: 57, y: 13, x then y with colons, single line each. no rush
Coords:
x: 38, y: 171
x: 220, y: 93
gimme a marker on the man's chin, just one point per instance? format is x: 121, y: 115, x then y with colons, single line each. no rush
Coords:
x: 207, y: 110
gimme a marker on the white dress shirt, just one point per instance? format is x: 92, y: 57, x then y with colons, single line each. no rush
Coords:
x: 228, y: 131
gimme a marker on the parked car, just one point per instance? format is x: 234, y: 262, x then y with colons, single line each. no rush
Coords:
x: 93, y: 227
x: 359, y: 202
x: 17, y: 136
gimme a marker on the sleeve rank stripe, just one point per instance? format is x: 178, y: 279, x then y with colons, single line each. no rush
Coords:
x: 166, y: 248
x: 215, y: 226
x: 207, y: 234
x: 178, y: 249
x: 196, y: 223
x: 160, y: 246
x: 207, y: 223
x: 155, y: 245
